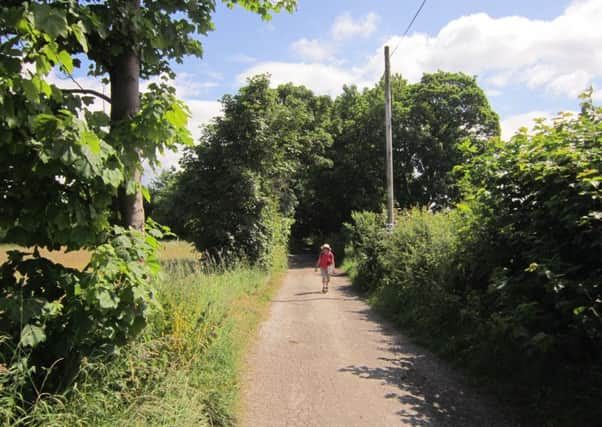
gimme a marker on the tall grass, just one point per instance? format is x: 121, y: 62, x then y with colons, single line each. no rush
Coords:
x: 183, y: 370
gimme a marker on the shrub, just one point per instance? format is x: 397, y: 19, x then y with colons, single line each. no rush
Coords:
x: 52, y: 316
x: 513, y: 274
x: 366, y: 242
x: 537, y: 200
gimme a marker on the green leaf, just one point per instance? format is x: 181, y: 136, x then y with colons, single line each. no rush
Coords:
x: 112, y: 177
x: 65, y: 61
x: 50, y: 20
x: 177, y: 117
x: 91, y: 140
x: 32, y: 335
x: 106, y: 300
x: 98, y: 118
x: 79, y: 33
x: 31, y: 91
x: 43, y: 65
x: 139, y: 293
x: 146, y: 194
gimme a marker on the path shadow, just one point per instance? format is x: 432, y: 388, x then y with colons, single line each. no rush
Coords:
x: 324, y: 298
x: 300, y: 261
x: 308, y: 293
x: 434, y: 394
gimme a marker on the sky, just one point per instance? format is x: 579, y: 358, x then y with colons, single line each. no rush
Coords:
x: 532, y: 57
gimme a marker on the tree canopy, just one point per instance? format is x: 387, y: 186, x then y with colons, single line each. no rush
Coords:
x: 431, y: 119
x: 318, y: 159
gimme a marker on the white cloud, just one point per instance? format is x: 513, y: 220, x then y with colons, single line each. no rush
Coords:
x: 597, y: 95
x: 313, y: 50
x: 512, y: 124
x: 493, y: 92
x: 561, y: 55
x: 201, y: 114
x: 322, y: 79
x: 345, y: 27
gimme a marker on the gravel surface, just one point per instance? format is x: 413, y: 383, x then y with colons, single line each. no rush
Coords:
x: 329, y: 360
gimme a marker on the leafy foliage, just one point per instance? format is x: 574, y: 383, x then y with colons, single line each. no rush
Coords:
x: 513, y: 273
x: 64, y: 166
x: 238, y: 190
x: 431, y: 119
x: 538, y: 197
x: 51, y: 316
x: 57, y: 175
x: 181, y: 370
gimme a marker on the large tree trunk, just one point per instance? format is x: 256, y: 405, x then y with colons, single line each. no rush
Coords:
x: 125, y: 102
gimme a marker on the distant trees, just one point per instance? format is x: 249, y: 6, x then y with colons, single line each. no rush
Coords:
x: 239, y: 188
x: 315, y: 160
x: 431, y: 119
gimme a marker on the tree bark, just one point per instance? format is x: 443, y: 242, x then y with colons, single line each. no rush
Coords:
x: 125, y: 103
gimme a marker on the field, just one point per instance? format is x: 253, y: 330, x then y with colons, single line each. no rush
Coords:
x: 171, y: 250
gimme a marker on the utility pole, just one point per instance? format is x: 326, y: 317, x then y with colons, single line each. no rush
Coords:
x: 389, y: 140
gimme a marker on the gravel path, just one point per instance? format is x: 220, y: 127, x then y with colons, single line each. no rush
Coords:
x: 328, y: 360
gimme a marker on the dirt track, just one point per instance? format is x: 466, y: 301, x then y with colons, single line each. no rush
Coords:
x: 328, y: 360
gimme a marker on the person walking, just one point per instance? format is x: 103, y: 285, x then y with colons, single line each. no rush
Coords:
x: 326, y: 264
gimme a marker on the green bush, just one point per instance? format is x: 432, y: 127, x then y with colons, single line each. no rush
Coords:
x: 410, y: 268
x: 420, y: 268
x: 513, y: 275
x: 366, y: 237
x: 538, y: 199
x: 52, y: 316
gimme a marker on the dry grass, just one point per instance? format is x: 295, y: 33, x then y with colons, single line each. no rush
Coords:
x: 178, y: 249
x: 171, y: 250
x: 73, y: 259
x: 248, y: 312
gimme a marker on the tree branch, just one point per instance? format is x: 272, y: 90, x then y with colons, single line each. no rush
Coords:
x: 89, y: 92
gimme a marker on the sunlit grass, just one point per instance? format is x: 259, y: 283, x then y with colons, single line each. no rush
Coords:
x: 184, y: 369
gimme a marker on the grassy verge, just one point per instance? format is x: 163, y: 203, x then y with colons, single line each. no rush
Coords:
x: 184, y: 369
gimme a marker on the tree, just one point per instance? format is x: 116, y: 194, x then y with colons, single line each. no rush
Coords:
x: 354, y: 179
x: 63, y: 165
x: 443, y: 110
x: 123, y: 42
x: 244, y: 180
x: 431, y: 119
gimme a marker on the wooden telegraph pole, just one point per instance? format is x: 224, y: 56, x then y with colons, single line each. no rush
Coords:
x: 388, y: 140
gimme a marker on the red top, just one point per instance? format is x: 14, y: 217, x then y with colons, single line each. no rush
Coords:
x: 326, y: 259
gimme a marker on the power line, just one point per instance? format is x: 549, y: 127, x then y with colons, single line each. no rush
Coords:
x: 410, y: 25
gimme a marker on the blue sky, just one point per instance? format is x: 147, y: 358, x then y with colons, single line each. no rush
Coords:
x: 532, y: 57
